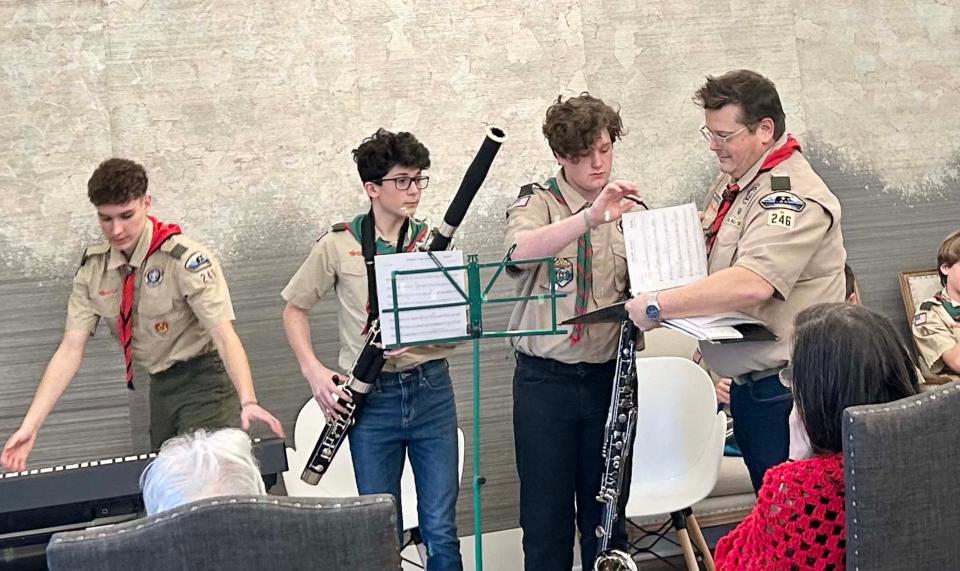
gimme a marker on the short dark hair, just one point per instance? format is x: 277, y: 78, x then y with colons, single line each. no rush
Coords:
x: 384, y: 150
x: 949, y: 253
x: 850, y: 280
x: 756, y: 95
x: 573, y: 126
x: 845, y: 355
x: 117, y: 181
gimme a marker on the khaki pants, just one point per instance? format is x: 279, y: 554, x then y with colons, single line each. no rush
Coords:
x: 190, y: 395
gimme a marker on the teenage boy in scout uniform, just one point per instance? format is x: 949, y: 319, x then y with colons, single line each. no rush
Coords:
x: 165, y: 299
x: 936, y: 326
x: 775, y: 247
x: 412, y: 408
x: 562, y: 383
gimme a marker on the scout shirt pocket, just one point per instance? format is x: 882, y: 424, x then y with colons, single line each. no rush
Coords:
x: 351, y: 284
x: 106, y: 302
x: 725, y: 248
x: 565, y: 271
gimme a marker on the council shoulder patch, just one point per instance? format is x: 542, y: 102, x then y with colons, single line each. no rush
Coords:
x: 783, y: 200
x: 196, y: 262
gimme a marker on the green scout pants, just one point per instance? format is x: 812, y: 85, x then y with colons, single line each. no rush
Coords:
x: 190, y: 395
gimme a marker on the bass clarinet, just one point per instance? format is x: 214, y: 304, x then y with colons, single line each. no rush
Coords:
x: 617, y: 446
x: 369, y: 363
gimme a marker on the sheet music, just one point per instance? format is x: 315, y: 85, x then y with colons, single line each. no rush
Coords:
x: 419, y: 290
x: 665, y: 248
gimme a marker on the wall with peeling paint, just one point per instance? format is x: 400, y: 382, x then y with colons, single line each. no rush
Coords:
x: 244, y: 114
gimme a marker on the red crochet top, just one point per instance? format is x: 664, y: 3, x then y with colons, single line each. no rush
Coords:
x: 798, y: 522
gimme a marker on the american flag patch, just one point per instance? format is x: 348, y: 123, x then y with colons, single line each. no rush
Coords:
x: 920, y: 319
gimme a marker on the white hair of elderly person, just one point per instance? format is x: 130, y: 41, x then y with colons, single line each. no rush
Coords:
x: 201, y: 465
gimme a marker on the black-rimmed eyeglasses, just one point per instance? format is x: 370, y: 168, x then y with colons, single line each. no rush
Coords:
x: 404, y: 182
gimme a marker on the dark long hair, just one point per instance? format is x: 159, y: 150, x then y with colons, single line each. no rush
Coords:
x: 845, y: 355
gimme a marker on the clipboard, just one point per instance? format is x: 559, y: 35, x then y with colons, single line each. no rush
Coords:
x: 752, y: 332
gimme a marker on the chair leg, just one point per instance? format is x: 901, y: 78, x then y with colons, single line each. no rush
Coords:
x: 700, y: 541
x: 689, y: 557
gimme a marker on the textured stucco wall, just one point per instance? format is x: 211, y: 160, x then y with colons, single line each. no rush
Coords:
x: 244, y: 113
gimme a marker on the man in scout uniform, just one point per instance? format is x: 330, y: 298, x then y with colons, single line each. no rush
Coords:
x: 165, y: 299
x: 412, y: 408
x: 775, y: 247
x: 562, y: 383
x: 936, y: 326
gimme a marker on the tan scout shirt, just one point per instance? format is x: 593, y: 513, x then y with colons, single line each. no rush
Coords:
x: 792, y: 240
x: 599, y: 341
x: 179, y: 295
x: 936, y: 333
x: 336, y: 261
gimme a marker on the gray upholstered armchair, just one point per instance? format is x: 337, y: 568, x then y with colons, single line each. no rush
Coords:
x: 901, y: 463
x: 242, y: 533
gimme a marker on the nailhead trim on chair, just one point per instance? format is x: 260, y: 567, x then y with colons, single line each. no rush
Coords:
x: 950, y: 390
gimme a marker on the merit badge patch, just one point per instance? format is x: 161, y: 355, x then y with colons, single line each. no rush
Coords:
x: 564, y: 272
x: 920, y: 319
x: 782, y: 218
x: 197, y: 262
x: 153, y: 277
x: 161, y: 327
x: 784, y: 200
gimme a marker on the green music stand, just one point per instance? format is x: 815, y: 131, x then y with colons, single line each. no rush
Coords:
x: 475, y: 298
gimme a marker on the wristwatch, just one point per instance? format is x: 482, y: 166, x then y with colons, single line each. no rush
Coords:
x: 653, y: 309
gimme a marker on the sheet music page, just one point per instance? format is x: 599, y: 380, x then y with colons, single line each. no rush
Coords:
x: 419, y: 290
x: 665, y: 248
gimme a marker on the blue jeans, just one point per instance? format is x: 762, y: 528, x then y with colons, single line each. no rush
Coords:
x: 414, y: 411
x: 761, y: 412
x: 559, y: 415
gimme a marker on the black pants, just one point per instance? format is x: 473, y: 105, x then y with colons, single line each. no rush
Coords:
x: 559, y: 414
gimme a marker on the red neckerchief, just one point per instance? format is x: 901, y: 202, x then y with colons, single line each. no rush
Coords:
x: 730, y: 194
x: 161, y: 232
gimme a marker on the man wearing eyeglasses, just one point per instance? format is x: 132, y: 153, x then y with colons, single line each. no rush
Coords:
x: 411, y: 408
x: 774, y: 248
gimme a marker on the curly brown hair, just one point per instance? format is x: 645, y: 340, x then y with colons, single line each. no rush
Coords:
x: 755, y: 94
x: 117, y: 181
x: 949, y: 253
x: 573, y: 126
x: 384, y: 150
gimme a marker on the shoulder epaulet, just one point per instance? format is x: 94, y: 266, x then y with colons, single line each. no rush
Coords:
x: 340, y: 226
x: 927, y: 305
x: 527, y: 189
x: 95, y: 250
x: 174, y: 247
x: 779, y: 183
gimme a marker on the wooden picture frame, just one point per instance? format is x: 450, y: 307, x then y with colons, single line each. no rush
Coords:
x: 915, y: 287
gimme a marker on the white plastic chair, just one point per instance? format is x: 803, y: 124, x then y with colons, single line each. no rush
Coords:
x: 678, y: 446
x: 339, y: 481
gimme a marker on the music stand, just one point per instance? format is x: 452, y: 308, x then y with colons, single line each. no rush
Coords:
x: 475, y: 299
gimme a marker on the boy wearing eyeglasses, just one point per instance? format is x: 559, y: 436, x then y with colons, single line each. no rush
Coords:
x: 411, y: 409
x: 774, y: 248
